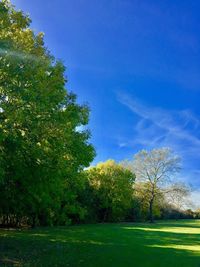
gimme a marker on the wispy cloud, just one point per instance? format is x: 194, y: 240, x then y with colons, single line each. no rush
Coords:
x: 157, y: 127
x: 176, y: 124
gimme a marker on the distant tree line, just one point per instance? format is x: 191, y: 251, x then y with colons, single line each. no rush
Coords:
x: 45, y: 153
x: 140, y: 189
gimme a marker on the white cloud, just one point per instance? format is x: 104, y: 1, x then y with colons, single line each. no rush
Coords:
x: 163, y: 124
x: 158, y: 127
x: 121, y: 145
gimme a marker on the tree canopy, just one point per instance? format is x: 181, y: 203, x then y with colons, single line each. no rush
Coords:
x: 112, y: 186
x: 42, y: 151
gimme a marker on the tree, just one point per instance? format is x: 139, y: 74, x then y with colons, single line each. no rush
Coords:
x: 112, y: 190
x: 141, y: 201
x: 42, y: 152
x: 177, y: 195
x: 154, y: 169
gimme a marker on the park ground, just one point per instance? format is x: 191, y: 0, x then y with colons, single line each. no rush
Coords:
x: 163, y: 244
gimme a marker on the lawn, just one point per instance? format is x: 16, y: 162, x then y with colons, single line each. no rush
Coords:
x: 163, y: 244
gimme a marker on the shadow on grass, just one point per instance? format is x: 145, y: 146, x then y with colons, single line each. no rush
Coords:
x: 117, y: 245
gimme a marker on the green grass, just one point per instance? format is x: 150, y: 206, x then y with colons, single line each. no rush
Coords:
x: 164, y: 244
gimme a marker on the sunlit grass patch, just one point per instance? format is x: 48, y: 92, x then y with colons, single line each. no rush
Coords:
x: 192, y: 248
x: 163, y: 244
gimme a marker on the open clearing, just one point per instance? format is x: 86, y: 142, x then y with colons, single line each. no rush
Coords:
x: 163, y: 244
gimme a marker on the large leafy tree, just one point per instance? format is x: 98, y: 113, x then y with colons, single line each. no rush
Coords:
x: 112, y: 190
x: 42, y: 151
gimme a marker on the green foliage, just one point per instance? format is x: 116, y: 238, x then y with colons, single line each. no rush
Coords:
x: 41, y: 151
x: 111, y: 190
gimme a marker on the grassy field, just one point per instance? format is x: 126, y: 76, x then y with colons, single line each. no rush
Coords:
x: 165, y: 244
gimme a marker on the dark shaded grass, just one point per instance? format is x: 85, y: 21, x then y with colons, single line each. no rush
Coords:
x: 102, y: 245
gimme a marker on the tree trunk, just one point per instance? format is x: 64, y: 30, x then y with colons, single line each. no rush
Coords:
x: 151, y: 210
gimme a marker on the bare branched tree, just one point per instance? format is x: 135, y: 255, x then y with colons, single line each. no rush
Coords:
x: 155, y: 169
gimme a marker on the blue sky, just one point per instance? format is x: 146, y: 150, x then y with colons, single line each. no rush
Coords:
x: 137, y: 65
